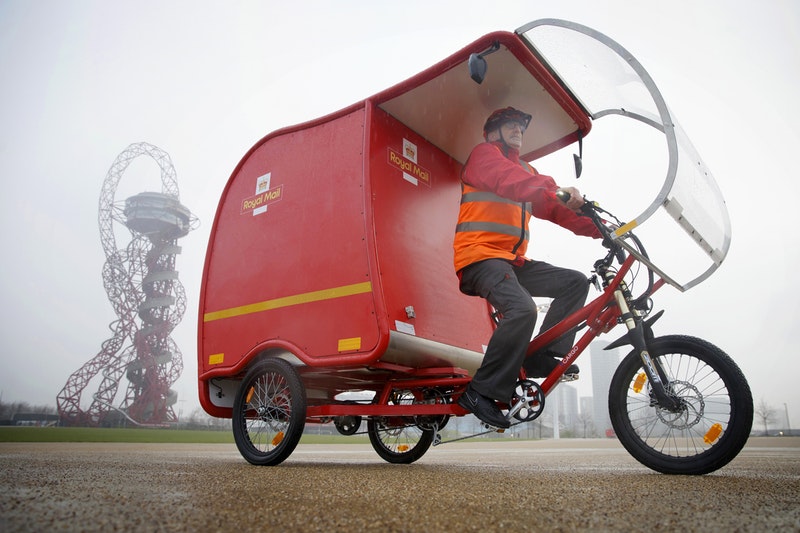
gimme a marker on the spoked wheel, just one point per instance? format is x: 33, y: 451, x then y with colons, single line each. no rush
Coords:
x: 398, y: 443
x: 269, y: 412
x: 715, y: 412
x: 399, y: 440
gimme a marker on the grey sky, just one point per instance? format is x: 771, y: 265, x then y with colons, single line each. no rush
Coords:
x: 205, y: 80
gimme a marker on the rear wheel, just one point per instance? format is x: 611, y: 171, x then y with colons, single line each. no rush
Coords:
x: 714, y: 417
x: 400, y: 440
x: 269, y: 412
x: 396, y: 442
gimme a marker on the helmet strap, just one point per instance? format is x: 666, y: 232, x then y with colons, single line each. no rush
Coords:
x: 503, y: 139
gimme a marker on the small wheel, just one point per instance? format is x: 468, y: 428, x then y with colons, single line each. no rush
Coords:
x: 396, y: 442
x: 347, y: 425
x: 399, y: 439
x: 269, y: 412
x: 714, y: 417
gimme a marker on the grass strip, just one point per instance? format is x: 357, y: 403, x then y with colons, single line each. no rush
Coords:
x: 79, y: 434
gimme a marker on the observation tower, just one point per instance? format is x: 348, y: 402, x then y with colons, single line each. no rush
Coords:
x: 142, y: 284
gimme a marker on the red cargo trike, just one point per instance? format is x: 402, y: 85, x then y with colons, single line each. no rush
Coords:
x: 329, y: 295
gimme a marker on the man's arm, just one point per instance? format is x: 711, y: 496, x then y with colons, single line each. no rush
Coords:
x: 554, y: 211
x: 488, y: 169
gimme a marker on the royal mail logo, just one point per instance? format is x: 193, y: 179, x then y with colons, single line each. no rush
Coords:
x: 264, y: 196
x: 411, y: 171
x: 409, y: 150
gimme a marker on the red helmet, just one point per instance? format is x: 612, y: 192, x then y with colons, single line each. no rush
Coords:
x: 500, y: 116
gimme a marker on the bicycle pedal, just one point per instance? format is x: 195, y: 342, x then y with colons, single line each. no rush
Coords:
x: 490, y: 427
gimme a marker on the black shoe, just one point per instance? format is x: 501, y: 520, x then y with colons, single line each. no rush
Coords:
x: 540, y: 366
x: 484, y: 408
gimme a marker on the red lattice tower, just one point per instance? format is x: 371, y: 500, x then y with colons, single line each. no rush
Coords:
x: 143, y: 287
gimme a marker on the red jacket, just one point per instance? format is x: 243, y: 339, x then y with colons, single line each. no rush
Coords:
x: 489, y: 226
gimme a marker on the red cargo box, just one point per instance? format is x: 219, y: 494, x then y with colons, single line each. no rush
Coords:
x: 332, y: 242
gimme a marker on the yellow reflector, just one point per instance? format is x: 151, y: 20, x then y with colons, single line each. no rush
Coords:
x: 250, y: 394
x: 622, y: 230
x: 216, y: 358
x: 402, y: 448
x: 278, y: 438
x: 349, y: 345
x: 638, y: 384
x: 713, y: 433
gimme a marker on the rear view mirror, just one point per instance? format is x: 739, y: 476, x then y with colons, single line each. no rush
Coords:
x: 578, y: 158
x: 477, y: 64
x: 578, y: 165
x: 477, y: 67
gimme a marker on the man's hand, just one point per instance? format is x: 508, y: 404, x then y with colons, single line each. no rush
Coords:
x: 575, y: 200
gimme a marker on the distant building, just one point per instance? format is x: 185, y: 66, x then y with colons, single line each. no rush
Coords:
x: 568, y: 407
x: 604, y: 364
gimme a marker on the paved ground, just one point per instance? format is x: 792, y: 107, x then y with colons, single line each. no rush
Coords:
x: 566, y: 485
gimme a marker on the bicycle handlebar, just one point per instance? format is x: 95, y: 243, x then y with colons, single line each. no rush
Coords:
x: 590, y: 209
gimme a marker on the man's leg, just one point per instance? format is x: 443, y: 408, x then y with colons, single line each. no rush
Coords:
x: 568, y: 288
x: 494, y: 279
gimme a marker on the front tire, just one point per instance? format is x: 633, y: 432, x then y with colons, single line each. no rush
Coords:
x: 716, y: 414
x: 269, y: 412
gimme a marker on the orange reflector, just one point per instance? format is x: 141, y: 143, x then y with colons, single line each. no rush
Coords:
x: 713, y: 433
x: 402, y: 448
x: 250, y: 394
x: 638, y: 384
x: 278, y: 438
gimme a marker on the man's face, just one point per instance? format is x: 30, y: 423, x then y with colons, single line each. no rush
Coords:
x: 512, y: 132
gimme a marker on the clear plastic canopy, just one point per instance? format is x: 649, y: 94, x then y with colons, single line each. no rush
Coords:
x: 668, y: 184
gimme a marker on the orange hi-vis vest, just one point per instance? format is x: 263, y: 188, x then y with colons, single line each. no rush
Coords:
x: 489, y: 226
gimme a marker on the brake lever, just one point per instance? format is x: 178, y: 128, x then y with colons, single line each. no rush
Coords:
x: 591, y: 209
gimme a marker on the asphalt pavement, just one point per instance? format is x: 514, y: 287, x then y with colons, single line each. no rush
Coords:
x: 479, y: 485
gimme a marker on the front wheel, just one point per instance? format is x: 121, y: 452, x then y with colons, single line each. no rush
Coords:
x: 715, y: 412
x: 269, y: 412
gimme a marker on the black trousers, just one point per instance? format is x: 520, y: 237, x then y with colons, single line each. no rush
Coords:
x: 510, y: 289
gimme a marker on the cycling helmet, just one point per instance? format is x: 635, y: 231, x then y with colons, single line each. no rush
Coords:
x: 500, y: 116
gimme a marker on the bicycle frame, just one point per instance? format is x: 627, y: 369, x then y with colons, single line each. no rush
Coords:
x: 600, y: 315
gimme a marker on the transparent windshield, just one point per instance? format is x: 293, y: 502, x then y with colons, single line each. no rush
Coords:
x: 655, y: 176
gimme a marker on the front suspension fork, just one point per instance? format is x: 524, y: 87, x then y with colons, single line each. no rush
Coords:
x: 636, y: 336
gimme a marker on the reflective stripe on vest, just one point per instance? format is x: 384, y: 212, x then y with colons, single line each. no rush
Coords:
x: 493, y: 227
x: 520, y: 230
x: 489, y: 226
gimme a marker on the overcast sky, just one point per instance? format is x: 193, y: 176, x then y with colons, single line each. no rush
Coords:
x: 205, y: 80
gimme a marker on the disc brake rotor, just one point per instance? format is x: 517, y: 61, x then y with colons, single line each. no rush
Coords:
x: 692, y: 406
